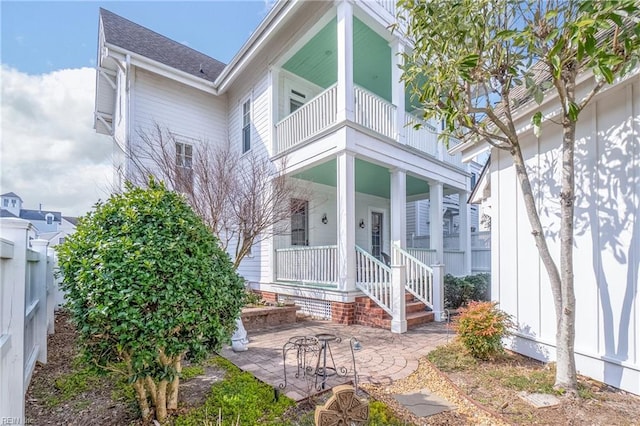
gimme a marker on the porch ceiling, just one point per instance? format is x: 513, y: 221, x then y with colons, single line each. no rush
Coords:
x: 371, y: 179
x: 317, y: 60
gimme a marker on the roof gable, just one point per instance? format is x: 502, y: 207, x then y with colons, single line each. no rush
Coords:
x: 11, y: 195
x: 39, y: 215
x: 135, y: 38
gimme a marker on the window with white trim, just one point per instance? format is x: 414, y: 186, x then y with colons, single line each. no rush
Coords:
x: 299, y: 222
x: 5, y: 202
x: 184, y: 166
x: 246, y: 126
x: 49, y: 218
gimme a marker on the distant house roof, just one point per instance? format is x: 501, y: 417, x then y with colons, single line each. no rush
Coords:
x: 6, y: 213
x: 39, y: 215
x: 135, y: 38
x: 12, y: 195
x: 482, y: 184
x: 71, y: 219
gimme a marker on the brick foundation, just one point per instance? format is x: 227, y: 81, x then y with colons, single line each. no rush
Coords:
x: 343, y: 313
x: 267, y: 296
x: 369, y: 314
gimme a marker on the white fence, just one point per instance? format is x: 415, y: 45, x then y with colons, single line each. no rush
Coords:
x: 27, y: 298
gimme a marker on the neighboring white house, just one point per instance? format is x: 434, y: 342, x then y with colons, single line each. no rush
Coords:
x: 44, y: 220
x: 317, y: 83
x: 607, y: 233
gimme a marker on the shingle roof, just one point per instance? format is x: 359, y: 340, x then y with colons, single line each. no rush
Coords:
x: 6, y: 213
x: 137, y: 39
x: 39, y: 215
x: 12, y: 195
x: 71, y: 219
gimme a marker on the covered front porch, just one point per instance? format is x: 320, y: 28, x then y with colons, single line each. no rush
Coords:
x: 350, y: 235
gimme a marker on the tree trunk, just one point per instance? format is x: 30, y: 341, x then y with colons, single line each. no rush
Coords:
x: 537, y: 231
x: 565, y: 335
x: 172, y: 398
x: 141, y: 396
x: 161, y: 401
x: 151, y: 388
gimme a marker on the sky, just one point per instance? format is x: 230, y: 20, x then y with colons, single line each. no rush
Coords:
x: 49, y: 152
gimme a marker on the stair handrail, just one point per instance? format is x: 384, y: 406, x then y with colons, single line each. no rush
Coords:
x: 418, y: 276
x: 373, y: 278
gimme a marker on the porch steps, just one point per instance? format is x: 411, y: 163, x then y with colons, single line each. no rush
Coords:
x: 369, y: 314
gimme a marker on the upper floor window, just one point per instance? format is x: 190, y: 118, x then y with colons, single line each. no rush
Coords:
x: 49, y: 219
x: 184, y: 167
x: 13, y: 202
x: 246, y: 126
x: 296, y: 100
x: 5, y: 202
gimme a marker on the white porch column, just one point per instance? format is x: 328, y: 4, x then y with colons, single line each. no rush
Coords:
x: 436, y: 242
x: 397, y: 87
x: 464, y: 230
x: 275, y: 102
x: 398, y: 238
x: 345, y: 61
x: 346, y: 208
x: 399, y: 208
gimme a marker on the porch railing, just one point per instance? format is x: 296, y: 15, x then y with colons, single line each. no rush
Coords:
x: 316, y: 265
x: 424, y: 138
x: 419, y: 277
x: 374, y: 112
x: 373, y: 278
x: 311, y: 118
x: 388, y: 5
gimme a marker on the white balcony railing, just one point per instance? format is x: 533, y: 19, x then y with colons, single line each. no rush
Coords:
x: 317, y: 265
x: 374, y: 112
x: 424, y: 138
x: 310, y: 119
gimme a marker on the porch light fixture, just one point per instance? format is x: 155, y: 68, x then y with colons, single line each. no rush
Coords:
x: 324, y: 218
x: 361, y: 225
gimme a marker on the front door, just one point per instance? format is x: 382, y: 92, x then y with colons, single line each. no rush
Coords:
x: 376, y: 235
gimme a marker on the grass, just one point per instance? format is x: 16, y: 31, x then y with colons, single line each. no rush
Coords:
x: 452, y: 357
x: 71, y: 385
x: 191, y: 371
x: 240, y: 397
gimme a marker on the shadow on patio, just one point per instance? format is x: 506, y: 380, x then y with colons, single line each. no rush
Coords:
x: 384, y: 357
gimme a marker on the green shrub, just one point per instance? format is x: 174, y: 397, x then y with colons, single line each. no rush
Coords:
x: 147, y: 283
x: 460, y: 291
x: 481, y: 327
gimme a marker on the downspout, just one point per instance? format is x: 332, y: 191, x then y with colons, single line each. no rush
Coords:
x: 127, y: 76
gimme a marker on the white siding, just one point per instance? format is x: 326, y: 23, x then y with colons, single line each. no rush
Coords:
x: 183, y: 110
x: 607, y: 239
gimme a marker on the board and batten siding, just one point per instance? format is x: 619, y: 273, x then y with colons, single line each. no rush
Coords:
x: 607, y: 238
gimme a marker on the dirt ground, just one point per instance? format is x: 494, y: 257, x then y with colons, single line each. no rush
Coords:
x: 479, y: 393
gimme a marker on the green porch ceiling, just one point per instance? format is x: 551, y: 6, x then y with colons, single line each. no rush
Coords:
x: 370, y: 179
x: 317, y: 60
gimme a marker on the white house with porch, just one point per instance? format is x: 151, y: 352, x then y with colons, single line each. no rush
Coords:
x: 319, y: 84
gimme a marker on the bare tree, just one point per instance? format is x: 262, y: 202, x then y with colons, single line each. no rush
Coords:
x: 243, y: 198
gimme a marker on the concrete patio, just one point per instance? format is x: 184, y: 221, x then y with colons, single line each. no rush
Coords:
x: 384, y: 357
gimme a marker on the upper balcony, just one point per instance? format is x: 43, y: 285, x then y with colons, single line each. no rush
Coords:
x: 347, y: 71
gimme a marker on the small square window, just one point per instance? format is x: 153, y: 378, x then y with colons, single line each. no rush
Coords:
x: 5, y: 202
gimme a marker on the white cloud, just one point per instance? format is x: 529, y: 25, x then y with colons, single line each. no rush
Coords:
x: 50, y: 153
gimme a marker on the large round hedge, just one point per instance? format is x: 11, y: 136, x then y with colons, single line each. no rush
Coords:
x: 147, y: 283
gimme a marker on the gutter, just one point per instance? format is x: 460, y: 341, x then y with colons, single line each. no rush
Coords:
x: 161, y: 69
